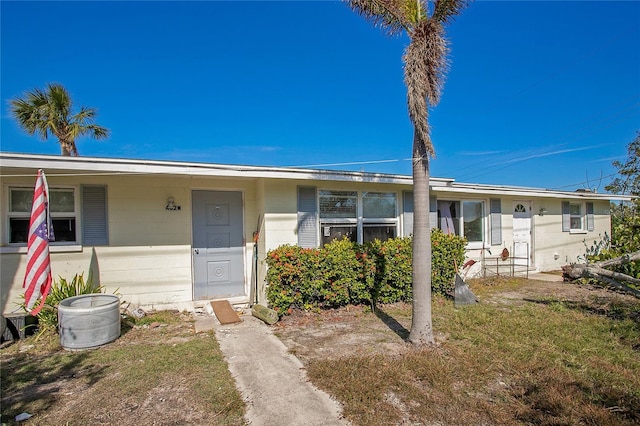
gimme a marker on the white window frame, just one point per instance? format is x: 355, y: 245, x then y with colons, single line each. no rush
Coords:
x: 54, y: 246
x: 359, y: 221
x: 483, y: 221
x: 583, y: 217
x: 460, y: 219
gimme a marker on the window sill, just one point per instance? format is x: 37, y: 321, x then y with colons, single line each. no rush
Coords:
x: 578, y: 231
x: 75, y: 248
x: 475, y: 245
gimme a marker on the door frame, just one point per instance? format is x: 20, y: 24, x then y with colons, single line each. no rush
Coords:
x: 246, y: 284
x: 528, y: 204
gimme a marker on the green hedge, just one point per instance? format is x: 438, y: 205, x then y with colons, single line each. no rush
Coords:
x: 343, y: 272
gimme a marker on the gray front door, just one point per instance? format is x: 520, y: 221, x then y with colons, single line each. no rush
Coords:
x: 218, y: 260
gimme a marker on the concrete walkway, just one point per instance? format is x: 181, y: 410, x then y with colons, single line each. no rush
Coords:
x: 546, y: 276
x: 272, y: 382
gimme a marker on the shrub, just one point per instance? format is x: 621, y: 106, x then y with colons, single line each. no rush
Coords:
x: 393, y: 270
x: 338, y: 275
x: 343, y: 272
x: 62, y: 289
x: 447, y: 255
x: 290, y: 277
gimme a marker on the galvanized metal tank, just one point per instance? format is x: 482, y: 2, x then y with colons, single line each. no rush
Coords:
x: 88, y: 320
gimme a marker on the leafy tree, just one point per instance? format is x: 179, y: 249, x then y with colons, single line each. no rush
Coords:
x: 625, y: 217
x: 628, y: 181
x: 425, y: 66
x: 49, y: 111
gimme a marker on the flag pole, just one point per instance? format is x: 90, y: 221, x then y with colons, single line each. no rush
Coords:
x: 37, y: 279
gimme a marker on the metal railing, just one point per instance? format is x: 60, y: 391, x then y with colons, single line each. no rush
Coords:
x: 506, y: 265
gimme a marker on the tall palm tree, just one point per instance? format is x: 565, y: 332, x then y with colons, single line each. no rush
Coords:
x: 49, y: 112
x: 425, y: 66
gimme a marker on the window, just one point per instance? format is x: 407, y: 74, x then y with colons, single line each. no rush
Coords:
x: 465, y: 218
x: 358, y: 216
x: 379, y: 212
x: 578, y: 217
x: 473, y: 218
x: 62, y: 208
x: 575, y: 221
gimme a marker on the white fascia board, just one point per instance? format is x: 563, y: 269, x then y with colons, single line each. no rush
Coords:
x: 92, y: 166
x: 528, y: 192
x: 110, y: 166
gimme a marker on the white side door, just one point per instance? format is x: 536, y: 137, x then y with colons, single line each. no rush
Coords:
x: 522, y: 233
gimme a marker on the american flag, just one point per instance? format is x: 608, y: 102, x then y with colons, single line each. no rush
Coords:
x: 37, y: 279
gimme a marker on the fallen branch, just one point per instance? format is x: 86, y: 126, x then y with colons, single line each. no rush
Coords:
x: 596, y: 271
x: 625, y: 258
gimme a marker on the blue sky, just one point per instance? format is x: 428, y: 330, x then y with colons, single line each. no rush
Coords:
x: 541, y: 93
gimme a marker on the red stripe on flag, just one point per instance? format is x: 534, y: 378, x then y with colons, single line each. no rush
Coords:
x: 37, y: 278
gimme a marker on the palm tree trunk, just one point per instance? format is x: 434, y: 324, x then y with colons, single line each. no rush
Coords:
x: 65, y: 148
x: 421, y: 325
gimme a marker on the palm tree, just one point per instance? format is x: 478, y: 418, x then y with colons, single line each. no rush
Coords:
x: 425, y: 66
x: 49, y: 111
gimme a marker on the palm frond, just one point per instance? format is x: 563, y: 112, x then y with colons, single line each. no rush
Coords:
x: 49, y: 111
x: 389, y: 15
x: 445, y: 11
x: 426, y: 64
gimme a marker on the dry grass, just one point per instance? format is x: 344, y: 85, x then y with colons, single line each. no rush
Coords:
x: 162, y: 374
x: 541, y: 360
x: 530, y: 353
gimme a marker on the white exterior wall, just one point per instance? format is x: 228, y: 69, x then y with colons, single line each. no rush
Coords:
x: 550, y: 247
x: 280, y: 213
x: 148, y: 260
x: 554, y: 248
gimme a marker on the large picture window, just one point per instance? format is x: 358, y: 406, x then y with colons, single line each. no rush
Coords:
x: 465, y: 218
x: 358, y: 216
x: 62, y: 205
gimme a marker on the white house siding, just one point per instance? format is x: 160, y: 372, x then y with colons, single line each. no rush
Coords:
x: 555, y: 248
x: 149, y: 257
x: 550, y: 247
x: 280, y: 212
x: 148, y: 260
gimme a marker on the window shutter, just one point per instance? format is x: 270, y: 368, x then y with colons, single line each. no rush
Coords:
x: 566, y: 217
x: 590, y: 217
x: 94, y: 216
x: 307, y: 217
x: 496, y: 221
x: 433, y: 212
x: 407, y: 203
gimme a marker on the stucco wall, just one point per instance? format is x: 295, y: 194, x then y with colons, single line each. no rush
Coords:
x: 148, y: 260
x: 551, y: 248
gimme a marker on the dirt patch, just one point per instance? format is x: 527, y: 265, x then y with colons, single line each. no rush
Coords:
x: 344, y: 332
x: 113, y: 388
x: 71, y: 392
x: 354, y: 330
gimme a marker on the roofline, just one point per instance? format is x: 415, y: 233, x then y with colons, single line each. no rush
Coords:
x: 118, y: 166
x: 104, y: 165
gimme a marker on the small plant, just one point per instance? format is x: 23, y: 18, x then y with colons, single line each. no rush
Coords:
x: 62, y: 289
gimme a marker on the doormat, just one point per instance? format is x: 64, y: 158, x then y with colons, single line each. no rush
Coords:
x: 224, y: 312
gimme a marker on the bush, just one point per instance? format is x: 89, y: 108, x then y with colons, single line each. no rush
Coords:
x: 392, y: 259
x: 447, y: 255
x: 343, y: 272
x: 60, y: 290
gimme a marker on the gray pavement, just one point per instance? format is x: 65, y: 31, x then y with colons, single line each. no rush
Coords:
x: 272, y: 381
x: 546, y: 276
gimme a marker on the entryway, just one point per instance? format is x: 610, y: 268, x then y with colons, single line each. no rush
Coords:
x: 522, y: 233
x: 218, y: 249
